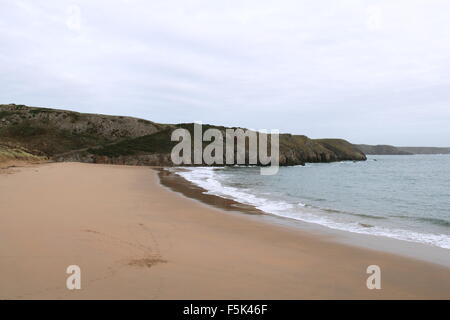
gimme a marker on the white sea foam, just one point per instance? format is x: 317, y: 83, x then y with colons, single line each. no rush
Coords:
x: 208, y: 179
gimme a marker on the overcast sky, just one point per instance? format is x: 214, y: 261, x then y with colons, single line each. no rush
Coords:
x: 368, y: 71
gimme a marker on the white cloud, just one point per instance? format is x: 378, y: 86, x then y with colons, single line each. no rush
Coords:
x: 349, y: 68
x: 73, y: 21
x: 375, y: 18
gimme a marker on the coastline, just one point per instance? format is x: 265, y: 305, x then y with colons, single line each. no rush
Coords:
x: 135, y: 239
x: 420, y: 251
x: 179, y: 184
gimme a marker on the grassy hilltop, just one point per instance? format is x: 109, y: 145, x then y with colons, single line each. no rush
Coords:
x: 71, y: 136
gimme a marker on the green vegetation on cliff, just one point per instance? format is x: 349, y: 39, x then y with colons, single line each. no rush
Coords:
x: 294, y: 149
x: 54, y: 131
x: 72, y: 136
x: 158, y: 142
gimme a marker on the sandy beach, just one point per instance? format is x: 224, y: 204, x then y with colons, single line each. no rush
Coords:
x: 136, y: 239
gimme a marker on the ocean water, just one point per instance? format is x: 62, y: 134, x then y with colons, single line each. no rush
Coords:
x: 402, y: 197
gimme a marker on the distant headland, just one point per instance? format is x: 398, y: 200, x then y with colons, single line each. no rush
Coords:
x: 391, y: 150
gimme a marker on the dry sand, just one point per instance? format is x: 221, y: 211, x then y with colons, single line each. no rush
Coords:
x: 135, y: 239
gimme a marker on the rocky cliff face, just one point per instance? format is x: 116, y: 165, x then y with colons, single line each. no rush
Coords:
x: 297, y: 149
x: 294, y: 149
x: 381, y: 150
x: 71, y: 136
x: 154, y: 159
x: 102, y: 126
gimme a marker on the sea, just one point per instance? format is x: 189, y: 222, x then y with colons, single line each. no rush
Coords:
x: 403, y: 197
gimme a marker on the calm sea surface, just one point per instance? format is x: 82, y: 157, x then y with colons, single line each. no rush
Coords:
x: 403, y: 197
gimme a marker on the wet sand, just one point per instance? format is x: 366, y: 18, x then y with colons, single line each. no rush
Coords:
x: 135, y: 239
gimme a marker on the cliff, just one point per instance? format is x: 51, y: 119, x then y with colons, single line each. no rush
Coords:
x: 391, y: 150
x: 381, y: 150
x: 425, y: 150
x: 71, y: 136
x: 155, y: 149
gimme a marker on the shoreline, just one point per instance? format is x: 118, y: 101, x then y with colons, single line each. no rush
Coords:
x: 135, y: 239
x: 409, y: 249
x: 179, y: 184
